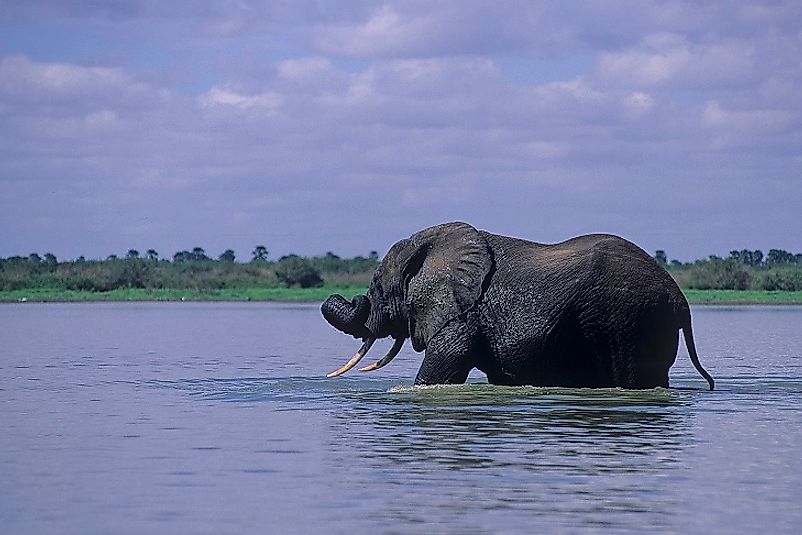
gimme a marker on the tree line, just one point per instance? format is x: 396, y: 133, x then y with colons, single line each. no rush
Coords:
x: 741, y: 270
x: 194, y: 269
x: 188, y: 269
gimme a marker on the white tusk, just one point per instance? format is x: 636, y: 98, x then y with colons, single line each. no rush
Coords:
x: 386, y: 358
x: 355, y: 359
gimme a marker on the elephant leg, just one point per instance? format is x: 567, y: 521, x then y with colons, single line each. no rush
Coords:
x: 449, y: 356
x: 643, y: 360
x: 652, y: 362
x: 435, y: 371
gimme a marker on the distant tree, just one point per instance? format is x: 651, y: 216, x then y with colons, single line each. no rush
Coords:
x: 328, y: 263
x: 293, y: 270
x: 227, y: 256
x: 132, y: 254
x: 374, y: 255
x: 747, y: 257
x: 198, y: 254
x: 152, y: 254
x: 17, y: 259
x: 719, y: 274
x: 781, y: 278
x: 182, y: 256
x: 660, y: 256
x: 111, y: 257
x: 50, y: 259
x: 34, y: 258
x: 360, y: 264
x: 778, y: 257
x: 259, y: 254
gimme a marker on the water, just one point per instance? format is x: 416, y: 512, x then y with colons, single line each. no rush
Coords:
x: 216, y: 418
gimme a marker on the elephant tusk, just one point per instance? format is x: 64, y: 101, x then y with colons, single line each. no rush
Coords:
x: 386, y: 358
x: 355, y: 359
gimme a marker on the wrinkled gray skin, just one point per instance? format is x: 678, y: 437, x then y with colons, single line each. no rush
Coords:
x: 592, y: 311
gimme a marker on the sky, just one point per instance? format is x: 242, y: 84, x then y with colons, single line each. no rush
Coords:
x: 314, y: 126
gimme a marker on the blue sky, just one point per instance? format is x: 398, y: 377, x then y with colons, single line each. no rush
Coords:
x: 344, y: 126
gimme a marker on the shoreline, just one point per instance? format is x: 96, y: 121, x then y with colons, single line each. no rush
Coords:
x: 311, y: 295
x: 742, y: 297
x: 282, y: 295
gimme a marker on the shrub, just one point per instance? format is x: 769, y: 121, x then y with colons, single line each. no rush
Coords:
x: 781, y: 279
x: 296, y: 271
x: 719, y: 274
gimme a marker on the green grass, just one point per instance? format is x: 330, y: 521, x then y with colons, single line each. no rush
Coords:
x: 707, y: 297
x: 138, y: 294
x: 742, y: 297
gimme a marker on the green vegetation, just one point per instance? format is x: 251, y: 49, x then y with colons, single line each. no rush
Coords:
x: 742, y: 297
x: 296, y: 271
x: 742, y: 270
x: 191, y: 275
x: 743, y: 277
x: 168, y: 294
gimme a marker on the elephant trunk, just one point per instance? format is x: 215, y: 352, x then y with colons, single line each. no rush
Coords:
x: 348, y: 316
x: 351, y: 317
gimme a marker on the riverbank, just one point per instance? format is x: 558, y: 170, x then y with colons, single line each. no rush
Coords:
x: 290, y: 295
x: 742, y: 297
x: 299, y: 295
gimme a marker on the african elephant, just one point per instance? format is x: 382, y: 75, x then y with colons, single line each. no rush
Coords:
x: 592, y: 311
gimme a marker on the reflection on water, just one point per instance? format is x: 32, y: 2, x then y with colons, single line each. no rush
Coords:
x: 224, y: 423
x: 463, y: 427
x: 575, y: 455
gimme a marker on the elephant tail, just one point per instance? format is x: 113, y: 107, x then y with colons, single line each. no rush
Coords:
x: 687, y: 331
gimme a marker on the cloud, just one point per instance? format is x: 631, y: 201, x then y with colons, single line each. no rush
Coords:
x: 24, y: 80
x: 437, y: 29
x: 385, y: 31
x: 667, y: 59
x: 223, y: 96
x: 278, y: 124
x: 744, y: 127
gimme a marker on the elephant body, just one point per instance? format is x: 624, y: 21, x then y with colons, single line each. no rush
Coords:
x: 592, y: 311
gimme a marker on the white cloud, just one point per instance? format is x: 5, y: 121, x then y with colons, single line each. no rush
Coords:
x: 548, y: 149
x: 644, y: 67
x: 640, y: 101
x: 22, y: 79
x: 385, y: 33
x: 101, y: 118
x: 305, y: 68
x: 670, y: 60
x: 745, y: 123
x: 223, y: 96
x: 713, y: 115
x: 421, y: 127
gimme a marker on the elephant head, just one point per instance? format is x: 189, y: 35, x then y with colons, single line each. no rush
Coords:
x: 424, y: 282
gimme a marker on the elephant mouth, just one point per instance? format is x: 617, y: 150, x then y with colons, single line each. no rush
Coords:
x: 391, y: 354
x: 351, y: 317
x: 348, y: 317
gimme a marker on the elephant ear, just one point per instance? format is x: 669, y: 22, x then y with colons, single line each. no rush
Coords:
x: 443, y: 269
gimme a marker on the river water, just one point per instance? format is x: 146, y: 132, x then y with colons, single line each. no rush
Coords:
x: 217, y: 418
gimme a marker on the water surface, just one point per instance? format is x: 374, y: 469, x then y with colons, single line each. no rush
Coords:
x: 217, y: 418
